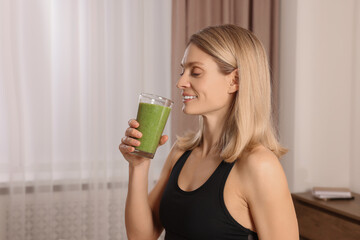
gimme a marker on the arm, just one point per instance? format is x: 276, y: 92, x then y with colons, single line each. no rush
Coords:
x: 141, y: 210
x: 269, y: 198
x: 138, y: 216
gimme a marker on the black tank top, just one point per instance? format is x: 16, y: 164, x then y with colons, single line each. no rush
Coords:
x: 200, y: 214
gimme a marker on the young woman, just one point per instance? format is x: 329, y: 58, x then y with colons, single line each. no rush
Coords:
x: 224, y: 181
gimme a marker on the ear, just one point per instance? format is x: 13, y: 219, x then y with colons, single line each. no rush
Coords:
x: 233, y: 81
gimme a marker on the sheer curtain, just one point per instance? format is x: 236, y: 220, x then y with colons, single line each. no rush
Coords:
x: 70, y: 75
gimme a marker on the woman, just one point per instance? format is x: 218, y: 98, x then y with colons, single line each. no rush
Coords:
x: 224, y: 181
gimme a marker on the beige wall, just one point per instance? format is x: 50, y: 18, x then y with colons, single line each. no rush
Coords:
x: 355, y: 147
x: 319, y: 93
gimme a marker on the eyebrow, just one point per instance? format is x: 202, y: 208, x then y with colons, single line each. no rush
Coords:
x: 190, y: 64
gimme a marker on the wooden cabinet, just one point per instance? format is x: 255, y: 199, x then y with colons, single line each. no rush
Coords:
x: 327, y: 220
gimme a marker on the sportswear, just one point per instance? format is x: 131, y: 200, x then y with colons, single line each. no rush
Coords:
x: 200, y: 214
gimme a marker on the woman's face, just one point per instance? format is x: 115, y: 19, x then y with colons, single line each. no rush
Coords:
x: 205, y: 90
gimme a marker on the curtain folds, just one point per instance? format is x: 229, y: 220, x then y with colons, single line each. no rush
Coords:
x: 70, y: 76
x: 261, y: 17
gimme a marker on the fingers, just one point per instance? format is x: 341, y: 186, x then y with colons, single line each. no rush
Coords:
x: 133, y: 123
x: 163, y: 139
x: 127, y: 144
x: 130, y: 141
x: 132, y: 132
x: 125, y: 148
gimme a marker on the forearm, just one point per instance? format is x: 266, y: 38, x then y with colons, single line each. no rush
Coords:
x: 138, y: 214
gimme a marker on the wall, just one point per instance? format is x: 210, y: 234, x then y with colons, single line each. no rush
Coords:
x: 355, y: 147
x: 319, y: 93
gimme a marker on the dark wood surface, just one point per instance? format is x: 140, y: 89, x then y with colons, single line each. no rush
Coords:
x: 327, y: 220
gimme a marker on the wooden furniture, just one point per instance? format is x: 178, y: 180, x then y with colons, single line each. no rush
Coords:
x: 327, y: 220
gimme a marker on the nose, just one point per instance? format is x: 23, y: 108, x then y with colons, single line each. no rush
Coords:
x: 183, y: 82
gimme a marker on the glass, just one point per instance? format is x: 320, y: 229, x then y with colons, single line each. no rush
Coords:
x: 152, y: 115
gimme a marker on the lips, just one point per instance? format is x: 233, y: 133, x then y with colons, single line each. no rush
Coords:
x: 187, y: 98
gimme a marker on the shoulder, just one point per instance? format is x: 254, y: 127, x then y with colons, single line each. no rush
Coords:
x: 258, y: 160
x: 175, y: 153
x: 261, y: 170
x: 263, y: 184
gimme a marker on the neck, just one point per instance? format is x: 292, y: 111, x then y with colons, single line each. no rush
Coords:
x: 213, y: 126
x: 213, y: 129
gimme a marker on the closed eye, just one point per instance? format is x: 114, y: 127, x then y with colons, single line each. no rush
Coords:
x: 195, y: 72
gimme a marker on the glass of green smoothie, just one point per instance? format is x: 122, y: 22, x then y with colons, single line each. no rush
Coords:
x: 152, y: 115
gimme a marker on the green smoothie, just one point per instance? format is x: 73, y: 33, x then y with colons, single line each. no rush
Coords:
x: 152, y: 119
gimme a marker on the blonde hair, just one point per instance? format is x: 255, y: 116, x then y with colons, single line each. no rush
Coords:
x: 249, y: 117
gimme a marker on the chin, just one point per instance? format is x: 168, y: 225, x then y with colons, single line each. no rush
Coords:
x: 188, y: 111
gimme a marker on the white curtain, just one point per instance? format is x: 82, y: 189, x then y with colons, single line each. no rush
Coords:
x: 70, y: 75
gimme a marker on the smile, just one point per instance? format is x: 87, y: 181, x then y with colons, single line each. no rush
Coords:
x: 189, y: 97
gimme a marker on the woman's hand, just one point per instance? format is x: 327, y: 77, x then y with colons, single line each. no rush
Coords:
x: 129, y: 142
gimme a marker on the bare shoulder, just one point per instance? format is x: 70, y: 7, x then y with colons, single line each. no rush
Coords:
x: 261, y: 169
x: 173, y: 156
x: 258, y: 160
x: 264, y: 186
x: 175, y: 153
